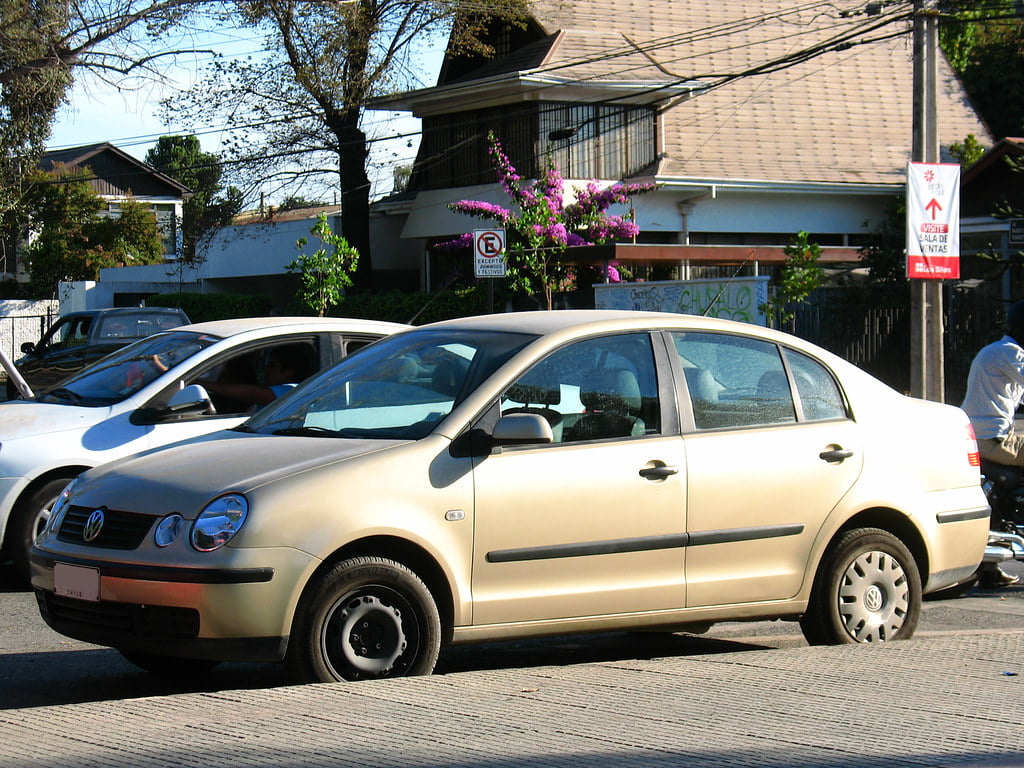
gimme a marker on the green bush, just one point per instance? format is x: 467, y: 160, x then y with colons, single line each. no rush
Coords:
x: 399, y: 307
x: 201, y: 307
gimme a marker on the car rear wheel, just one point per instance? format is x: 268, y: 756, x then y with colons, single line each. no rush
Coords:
x: 867, y: 590
x: 168, y: 666
x: 28, y: 519
x: 366, y: 618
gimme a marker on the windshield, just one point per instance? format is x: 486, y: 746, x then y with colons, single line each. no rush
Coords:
x: 398, y: 388
x: 123, y: 373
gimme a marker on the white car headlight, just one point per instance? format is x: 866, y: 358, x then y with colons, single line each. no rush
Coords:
x: 60, y: 507
x: 219, y: 521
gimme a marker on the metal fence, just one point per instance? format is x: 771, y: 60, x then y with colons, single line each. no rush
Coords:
x: 15, y: 330
x: 874, y: 332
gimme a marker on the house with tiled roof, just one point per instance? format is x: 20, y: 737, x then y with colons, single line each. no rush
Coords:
x: 756, y: 119
x: 115, y: 176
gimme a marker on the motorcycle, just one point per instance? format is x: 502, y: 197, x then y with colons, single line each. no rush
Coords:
x: 1004, y: 489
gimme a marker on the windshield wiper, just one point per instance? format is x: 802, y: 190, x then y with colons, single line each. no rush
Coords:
x: 310, y: 431
x: 65, y: 394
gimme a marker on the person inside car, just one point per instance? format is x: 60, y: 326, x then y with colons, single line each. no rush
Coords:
x: 286, y: 366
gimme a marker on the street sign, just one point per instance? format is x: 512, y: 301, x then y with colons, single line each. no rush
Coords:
x: 933, y: 220
x: 489, y: 252
x: 1016, y: 232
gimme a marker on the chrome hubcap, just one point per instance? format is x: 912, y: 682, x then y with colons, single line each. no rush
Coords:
x: 874, y: 597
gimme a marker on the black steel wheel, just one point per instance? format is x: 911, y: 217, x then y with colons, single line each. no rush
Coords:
x: 867, y: 590
x: 366, y: 618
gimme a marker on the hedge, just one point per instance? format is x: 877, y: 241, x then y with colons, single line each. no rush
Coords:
x: 201, y: 307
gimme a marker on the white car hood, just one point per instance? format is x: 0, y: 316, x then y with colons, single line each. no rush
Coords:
x: 19, y: 418
x: 194, y: 471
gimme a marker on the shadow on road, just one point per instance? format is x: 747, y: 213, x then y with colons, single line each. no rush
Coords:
x: 71, y: 677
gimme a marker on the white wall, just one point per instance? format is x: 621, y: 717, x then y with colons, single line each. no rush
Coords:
x: 22, y: 321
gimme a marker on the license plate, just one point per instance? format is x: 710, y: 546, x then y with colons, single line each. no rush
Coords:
x: 77, y: 581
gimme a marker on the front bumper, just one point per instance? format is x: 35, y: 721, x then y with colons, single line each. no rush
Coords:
x: 237, y: 613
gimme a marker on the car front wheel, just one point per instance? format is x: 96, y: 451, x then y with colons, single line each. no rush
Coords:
x: 28, y: 519
x: 366, y: 618
x: 867, y: 590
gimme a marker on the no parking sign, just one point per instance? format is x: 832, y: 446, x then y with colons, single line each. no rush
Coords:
x: 489, y: 252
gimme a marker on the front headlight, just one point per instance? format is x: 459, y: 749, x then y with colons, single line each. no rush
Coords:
x: 60, y: 507
x: 219, y: 521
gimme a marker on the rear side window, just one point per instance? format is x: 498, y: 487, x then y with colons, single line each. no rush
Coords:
x: 820, y: 398
x: 135, y: 325
x: 734, y: 381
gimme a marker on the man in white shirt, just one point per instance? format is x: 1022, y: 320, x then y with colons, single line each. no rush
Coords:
x: 995, y: 388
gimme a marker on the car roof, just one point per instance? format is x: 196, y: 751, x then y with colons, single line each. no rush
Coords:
x: 127, y: 310
x: 557, y: 326
x: 237, y: 325
x: 597, y: 320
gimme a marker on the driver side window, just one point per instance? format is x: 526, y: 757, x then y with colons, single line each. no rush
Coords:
x: 596, y: 389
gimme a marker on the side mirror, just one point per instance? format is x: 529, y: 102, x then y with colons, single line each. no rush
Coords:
x: 522, y: 429
x: 192, y: 400
x: 28, y: 347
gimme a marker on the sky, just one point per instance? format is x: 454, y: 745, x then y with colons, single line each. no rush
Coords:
x: 128, y: 116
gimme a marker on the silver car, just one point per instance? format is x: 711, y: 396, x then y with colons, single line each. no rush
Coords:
x: 148, y: 394
x: 520, y: 475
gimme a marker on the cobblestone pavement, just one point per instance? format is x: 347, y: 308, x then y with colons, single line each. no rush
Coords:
x: 938, y: 701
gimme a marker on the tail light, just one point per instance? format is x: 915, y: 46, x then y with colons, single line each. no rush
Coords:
x: 973, y: 457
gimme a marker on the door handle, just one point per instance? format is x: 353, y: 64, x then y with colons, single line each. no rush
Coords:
x: 836, y: 454
x: 659, y: 472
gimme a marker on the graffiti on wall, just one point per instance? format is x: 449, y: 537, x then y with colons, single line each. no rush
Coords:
x: 736, y: 299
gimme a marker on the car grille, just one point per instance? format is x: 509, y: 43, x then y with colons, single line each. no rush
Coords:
x: 121, y: 530
x: 106, y: 622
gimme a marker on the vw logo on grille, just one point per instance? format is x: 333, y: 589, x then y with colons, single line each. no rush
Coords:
x: 93, y: 525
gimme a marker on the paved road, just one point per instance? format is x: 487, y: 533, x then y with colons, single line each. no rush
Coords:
x: 38, y: 667
x: 938, y: 701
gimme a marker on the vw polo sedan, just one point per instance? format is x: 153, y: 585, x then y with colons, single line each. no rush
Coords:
x: 521, y: 475
x: 147, y: 394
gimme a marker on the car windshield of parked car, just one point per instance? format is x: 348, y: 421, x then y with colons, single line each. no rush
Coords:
x: 398, y: 388
x: 121, y: 374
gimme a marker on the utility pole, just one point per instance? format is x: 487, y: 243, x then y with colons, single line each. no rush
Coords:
x: 927, y: 378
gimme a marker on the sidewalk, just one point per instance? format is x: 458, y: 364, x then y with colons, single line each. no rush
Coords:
x: 942, y: 701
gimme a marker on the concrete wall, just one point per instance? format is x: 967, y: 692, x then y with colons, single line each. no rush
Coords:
x: 22, y: 321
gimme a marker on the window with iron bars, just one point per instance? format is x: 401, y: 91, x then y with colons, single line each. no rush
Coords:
x: 606, y: 142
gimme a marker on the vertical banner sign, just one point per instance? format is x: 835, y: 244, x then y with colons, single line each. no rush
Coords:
x: 488, y: 252
x: 933, y: 220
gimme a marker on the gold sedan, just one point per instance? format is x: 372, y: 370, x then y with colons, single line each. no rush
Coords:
x: 520, y: 475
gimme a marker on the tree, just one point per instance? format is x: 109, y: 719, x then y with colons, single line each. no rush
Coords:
x: 799, y: 276
x: 324, y: 274
x: 297, y: 111
x: 985, y: 45
x: 72, y: 241
x: 182, y: 158
x: 298, y: 202
x: 539, y: 235
x: 44, y: 42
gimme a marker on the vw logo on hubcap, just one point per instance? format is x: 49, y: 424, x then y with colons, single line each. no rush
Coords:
x: 93, y: 525
x: 873, y: 598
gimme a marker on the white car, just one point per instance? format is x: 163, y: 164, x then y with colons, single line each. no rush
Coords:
x: 143, y: 396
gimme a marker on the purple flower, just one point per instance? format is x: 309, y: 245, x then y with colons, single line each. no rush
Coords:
x: 462, y: 242
x: 482, y: 209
